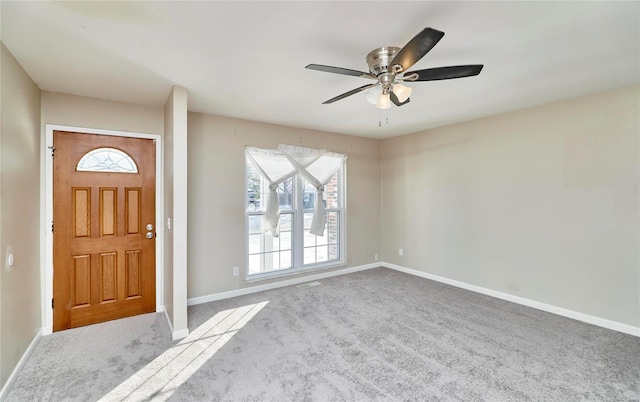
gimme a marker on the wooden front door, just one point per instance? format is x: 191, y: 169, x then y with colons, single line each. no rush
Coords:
x: 103, y: 228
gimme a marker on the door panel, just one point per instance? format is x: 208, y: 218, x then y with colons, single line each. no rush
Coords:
x: 104, y: 265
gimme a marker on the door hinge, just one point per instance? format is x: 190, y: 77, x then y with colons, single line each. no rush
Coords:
x: 51, y: 226
x: 52, y: 303
x: 53, y: 150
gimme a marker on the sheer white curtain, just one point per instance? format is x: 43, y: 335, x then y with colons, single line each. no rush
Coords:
x: 317, y: 166
x: 275, y: 168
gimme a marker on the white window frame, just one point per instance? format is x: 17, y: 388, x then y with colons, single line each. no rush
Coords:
x: 297, y: 238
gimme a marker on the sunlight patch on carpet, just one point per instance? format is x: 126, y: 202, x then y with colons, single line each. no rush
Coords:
x: 159, y: 379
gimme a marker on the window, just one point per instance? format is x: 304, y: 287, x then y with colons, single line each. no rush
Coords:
x: 318, y: 249
x: 291, y: 246
x: 107, y: 160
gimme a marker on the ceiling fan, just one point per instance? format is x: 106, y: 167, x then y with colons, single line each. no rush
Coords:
x: 388, y: 67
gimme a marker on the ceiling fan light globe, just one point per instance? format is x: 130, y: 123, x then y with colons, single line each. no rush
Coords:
x: 384, y: 102
x: 372, y: 95
x: 402, y: 92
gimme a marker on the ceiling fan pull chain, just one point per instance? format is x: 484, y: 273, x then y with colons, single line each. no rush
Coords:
x: 386, y: 118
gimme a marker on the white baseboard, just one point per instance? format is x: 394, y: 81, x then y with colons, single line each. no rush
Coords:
x: 25, y: 356
x: 590, y: 319
x: 175, y: 335
x: 280, y: 284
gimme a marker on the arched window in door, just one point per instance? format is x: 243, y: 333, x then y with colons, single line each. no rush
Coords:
x: 107, y: 160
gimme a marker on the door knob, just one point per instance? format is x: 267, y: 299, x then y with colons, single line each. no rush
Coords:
x: 149, y: 235
x: 149, y: 226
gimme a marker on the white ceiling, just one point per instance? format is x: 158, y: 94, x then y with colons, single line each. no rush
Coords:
x: 246, y: 59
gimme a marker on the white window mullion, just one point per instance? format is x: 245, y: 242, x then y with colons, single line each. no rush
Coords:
x: 298, y: 250
x: 342, y: 197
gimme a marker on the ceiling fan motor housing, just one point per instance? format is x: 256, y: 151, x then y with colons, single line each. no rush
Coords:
x: 379, y: 59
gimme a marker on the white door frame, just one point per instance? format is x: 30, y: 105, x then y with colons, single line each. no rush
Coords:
x: 46, y: 260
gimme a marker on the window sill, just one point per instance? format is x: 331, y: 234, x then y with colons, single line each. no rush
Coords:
x: 293, y: 271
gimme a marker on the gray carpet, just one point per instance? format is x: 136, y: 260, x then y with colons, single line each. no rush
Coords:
x: 377, y: 335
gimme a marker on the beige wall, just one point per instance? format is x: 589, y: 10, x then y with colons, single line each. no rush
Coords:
x: 80, y: 111
x: 20, y: 312
x: 540, y: 203
x: 217, y: 195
